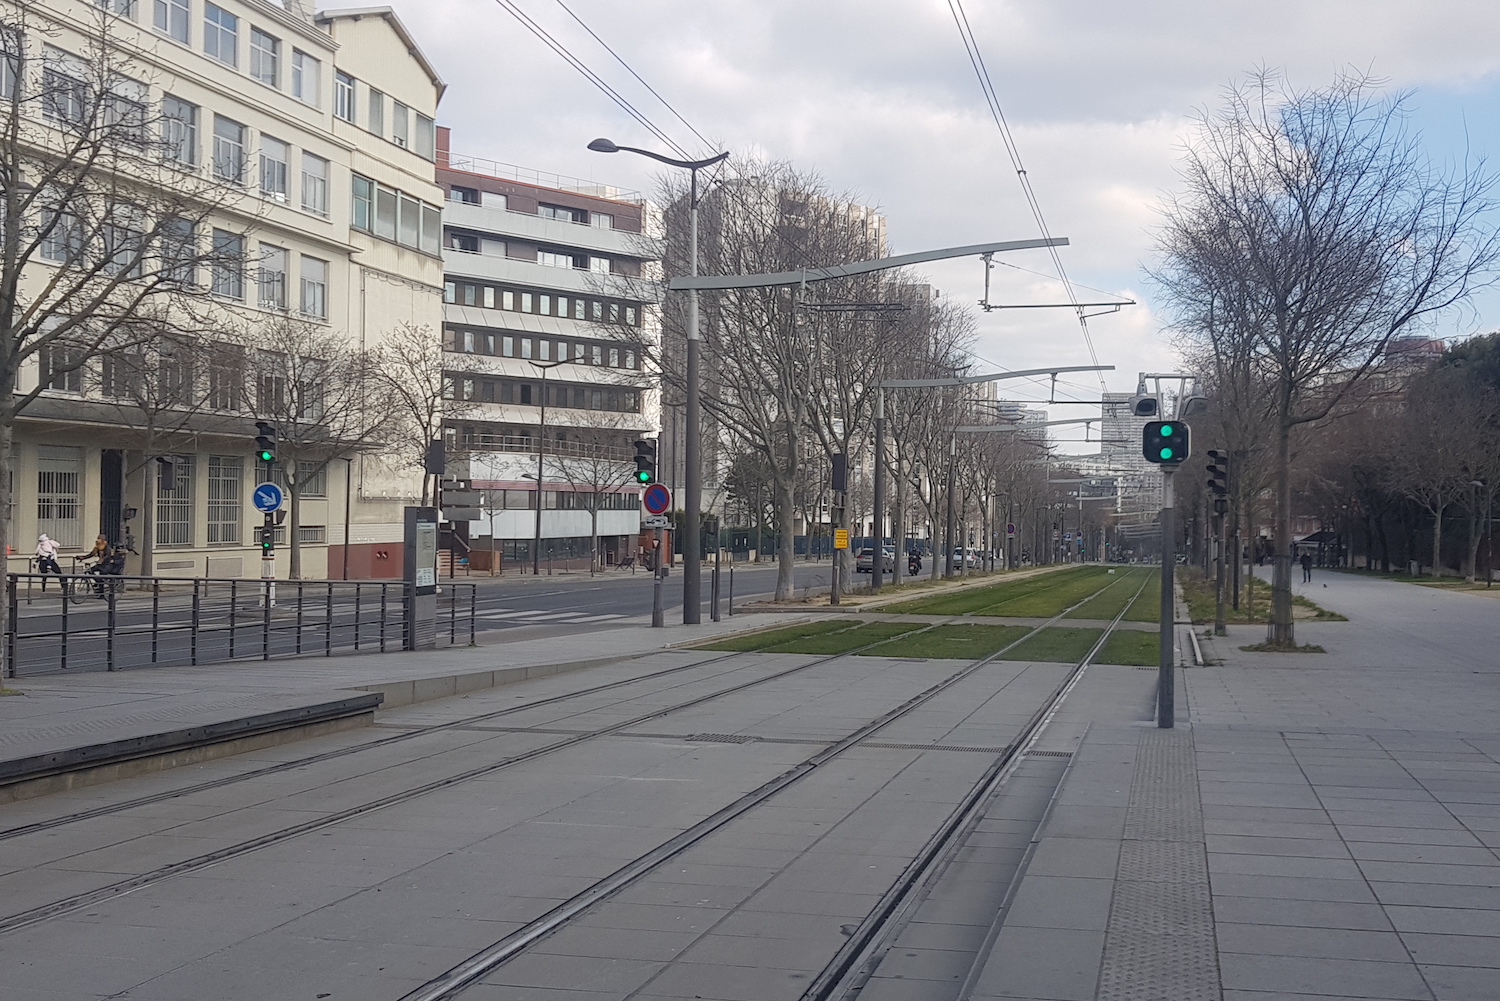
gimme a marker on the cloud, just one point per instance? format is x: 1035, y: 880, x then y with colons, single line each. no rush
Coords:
x: 879, y: 96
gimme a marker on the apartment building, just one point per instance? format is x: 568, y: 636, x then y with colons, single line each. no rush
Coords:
x: 548, y: 325
x: 317, y: 129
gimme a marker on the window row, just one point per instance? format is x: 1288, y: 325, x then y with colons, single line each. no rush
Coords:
x: 187, y: 376
x: 563, y: 395
x: 396, y: 216
x: 493, y: 246
x: 519, y: 300
x: 597, y: 353
x: 563, y: 213
x: 562, y: 500
x: 229, y: 39
x: 233, y: 272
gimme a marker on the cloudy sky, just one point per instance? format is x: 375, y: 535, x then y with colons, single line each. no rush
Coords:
x: 878, y: 96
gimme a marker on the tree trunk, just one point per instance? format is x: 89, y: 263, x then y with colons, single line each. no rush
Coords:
x: 1437, y: 539
x: 594, y: 535
x: 293, y: 535
x: 785, y: 541
x: 898, y: 529
x: 7, y: 472
x: 148, y: 519
x: 1471, y: 570
x: 1281, y: 631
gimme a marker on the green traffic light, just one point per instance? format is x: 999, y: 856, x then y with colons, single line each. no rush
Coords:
x: 642, y: 476
x: 1166, y: 453
x: 266, y: 456
x: 1166, y: 430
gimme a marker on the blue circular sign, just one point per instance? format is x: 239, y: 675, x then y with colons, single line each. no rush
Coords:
x: 657, y: 499
x: 267, y: 498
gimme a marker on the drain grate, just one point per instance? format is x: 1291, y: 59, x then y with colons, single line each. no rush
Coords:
x: 720, y: 738
x: 1049, y: 754
x: 933, y: 747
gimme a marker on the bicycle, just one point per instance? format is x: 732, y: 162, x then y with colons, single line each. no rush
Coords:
x: 93, y: 583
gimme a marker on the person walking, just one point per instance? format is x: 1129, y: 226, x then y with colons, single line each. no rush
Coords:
x: 46, y: 559
x: 1307, y: 568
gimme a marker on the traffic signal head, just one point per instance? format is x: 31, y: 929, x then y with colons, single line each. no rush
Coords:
x: 1218, y: 473
x: 267, y: 538
x: 265, y: 442
x: 1166, y: 442
x: 645, y: 462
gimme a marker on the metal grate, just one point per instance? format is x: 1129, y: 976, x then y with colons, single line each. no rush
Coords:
x: 1049, y: 754
x: 721, y: 738
x: 933, y: 747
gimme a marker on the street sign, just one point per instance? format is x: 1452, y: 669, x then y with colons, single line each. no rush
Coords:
x: 267, y: 498
x: 1010, y: 529
x: 656, y: 521
x: 657, y: 499
x: 1067, y: 536
x: 841, y: 538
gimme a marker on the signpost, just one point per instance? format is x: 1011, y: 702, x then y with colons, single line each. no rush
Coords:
x: 657, y: 500
x: 841, y: 538
x: 268, y: 498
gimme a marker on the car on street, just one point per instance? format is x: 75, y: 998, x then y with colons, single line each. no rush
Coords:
x: 864, y: 560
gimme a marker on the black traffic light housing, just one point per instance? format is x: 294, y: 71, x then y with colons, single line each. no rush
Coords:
x: 1218, y: 472
x: 1166, y: 443
x: 645, y: 462
x: 265, y: 442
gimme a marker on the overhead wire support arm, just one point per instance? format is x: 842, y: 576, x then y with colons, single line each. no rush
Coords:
x: 969, y: 380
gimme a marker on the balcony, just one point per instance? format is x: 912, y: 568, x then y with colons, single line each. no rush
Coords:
x: 483, y: 441
x: 555, y: 232
x: 489, y: 267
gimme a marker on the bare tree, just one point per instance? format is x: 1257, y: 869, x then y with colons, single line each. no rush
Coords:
x: 597, y: 458
x: 1315, y: 227
x: 104, y: 213
x: 323, y: 398
x: 407, y: 371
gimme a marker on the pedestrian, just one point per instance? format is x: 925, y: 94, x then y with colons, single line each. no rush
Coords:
x: 46, y: 559
x: 1307, y: 568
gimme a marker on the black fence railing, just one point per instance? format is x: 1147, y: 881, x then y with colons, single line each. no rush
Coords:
x: 86, y: 622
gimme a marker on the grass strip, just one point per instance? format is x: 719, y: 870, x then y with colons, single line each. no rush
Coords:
x: 1132, y: 648
x: 1147, y: 607
x: 1066, y: 645
x: 955, y: 642
x: 974, y: 599
x: 1255, y: 603
x: 845, y: 640
x: 772, y: 637
x: 1110, y: 602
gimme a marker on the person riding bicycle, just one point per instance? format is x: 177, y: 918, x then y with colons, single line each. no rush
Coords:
x: 109, y: 561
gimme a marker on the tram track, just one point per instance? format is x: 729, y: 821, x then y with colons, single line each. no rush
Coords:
x: 455, y: 982
x: 66, y: 905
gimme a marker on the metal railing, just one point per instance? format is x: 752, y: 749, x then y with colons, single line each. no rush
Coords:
x: 484, y: 441
x: 86, y: 622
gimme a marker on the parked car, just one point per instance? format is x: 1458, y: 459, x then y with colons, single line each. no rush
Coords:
x: 864, y: 560
x: 967, y: 559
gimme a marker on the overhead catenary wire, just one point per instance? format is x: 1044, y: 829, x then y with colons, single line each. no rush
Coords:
x: 992, y: 100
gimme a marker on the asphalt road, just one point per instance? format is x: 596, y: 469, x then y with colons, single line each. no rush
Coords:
x: 541, y: 606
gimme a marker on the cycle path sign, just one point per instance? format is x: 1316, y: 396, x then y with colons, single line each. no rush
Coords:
x: 267, y: 497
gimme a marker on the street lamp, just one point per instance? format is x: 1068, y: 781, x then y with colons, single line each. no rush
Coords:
x: 692, y: 557
x: 541, y: 451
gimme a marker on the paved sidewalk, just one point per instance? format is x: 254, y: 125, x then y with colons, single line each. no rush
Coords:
x: 69, y: 714
x: 1318, y: 826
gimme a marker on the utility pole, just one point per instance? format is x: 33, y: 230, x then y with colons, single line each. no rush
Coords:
x: 877, y: 560
x: 1165, y: 689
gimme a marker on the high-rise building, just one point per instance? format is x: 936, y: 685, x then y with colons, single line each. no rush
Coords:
x: 312, y: 137
x: 548, y: 332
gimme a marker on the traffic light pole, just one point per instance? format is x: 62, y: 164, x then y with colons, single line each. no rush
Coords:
x: 1165, y: 688
x: 658, y: 616
x: 1220, y: 627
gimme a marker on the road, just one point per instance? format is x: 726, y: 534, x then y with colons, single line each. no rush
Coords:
x: 541, y: 606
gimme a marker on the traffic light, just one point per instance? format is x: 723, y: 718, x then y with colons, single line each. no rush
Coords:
x: 1218, y: 473
x: 265, y: 442
x: 645, y: 462
x: 267, y: 536
x: 1166, y: 442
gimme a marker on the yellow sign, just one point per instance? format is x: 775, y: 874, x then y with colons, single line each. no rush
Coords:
x: 841, y: 538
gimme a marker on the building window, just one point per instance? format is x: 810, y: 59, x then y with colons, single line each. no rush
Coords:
x: 59, y: 475
x: 599, y: 265
x: 314, y: 184
x: 468, y: 196
x: 124, y: 243
x: 362, y: 215
x: 226, y: 377
x: 343, y: 95
x: 174, y: 507
x: 432, y: 230
x: 312, y: 534
x: 179, y: 130
x: 61, y: 367
x: 400, y: 124
x: 376, y: 121
x: 305, y: 73
x: 265, y: 57
x: 312, y: 479
x: 221, y: 35
x: 426, y: 144
x: 489, y: 297
x: 179, y: 251
x: 450, y: 292
x: 170, y: 17
x: 63, y: 96
x: 10, y: 62
x: 62, y: 237
x: 228, y: 267
x: 525, y: 302
x: 273, y: 168
x: 229, y: 150
x: 409, y: 232
x: 314, y: 287
x: 385, y: 213
x: 601, y: 220
x: 225, y: 499
x: 273, y: 262
x: 561, y: 212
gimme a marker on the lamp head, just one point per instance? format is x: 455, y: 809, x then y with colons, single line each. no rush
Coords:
x: 603, y: 146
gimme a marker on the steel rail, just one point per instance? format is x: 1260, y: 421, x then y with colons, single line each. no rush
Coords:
x: 454, y: 982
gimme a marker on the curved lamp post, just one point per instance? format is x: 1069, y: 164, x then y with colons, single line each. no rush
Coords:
x: 692, y: 557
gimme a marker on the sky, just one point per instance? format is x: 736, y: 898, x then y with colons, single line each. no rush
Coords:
x: 879, y: 98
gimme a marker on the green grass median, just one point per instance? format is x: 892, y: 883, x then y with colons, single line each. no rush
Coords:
x: 1043, y: 595
x: 1132, y: 648
x: 952, y: 642
x: 1066, y: 645
x: 1111, y: 601
x: 823, y: 637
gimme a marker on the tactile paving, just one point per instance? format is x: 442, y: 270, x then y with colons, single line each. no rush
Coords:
x: 1159, y: 942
